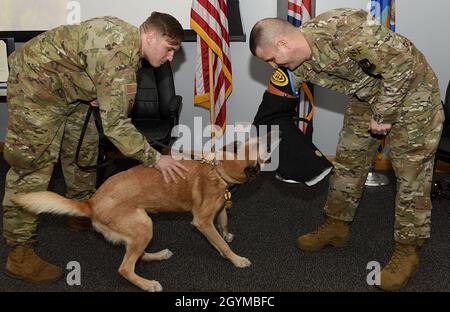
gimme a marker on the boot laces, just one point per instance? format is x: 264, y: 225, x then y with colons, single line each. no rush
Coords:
x: 397, y: 258
x: 325, y: 227
x: 28, y: 251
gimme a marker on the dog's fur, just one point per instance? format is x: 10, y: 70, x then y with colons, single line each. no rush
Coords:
x: 118, y: 208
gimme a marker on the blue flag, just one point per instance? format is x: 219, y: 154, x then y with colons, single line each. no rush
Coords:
x: 384, y: 11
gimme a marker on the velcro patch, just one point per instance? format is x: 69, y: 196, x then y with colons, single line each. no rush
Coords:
x: 358, y: 53
x: 367, y: 66
x: 131, y: 88
x: 365, y: 58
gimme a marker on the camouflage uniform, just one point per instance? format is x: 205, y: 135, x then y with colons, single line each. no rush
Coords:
x: 51, y: 76
x: 391, y: 82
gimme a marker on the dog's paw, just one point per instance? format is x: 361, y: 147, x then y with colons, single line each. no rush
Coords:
x: 228, y: 237
x: 166, y: 254
x: 157, y: 256
x: 242, y: 262
x: 152, y: 286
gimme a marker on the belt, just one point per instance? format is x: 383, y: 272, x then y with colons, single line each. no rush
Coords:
x: 275, y: 91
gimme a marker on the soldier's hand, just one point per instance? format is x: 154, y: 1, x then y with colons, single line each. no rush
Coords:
x: 380, y: 129
x: 170, y: 168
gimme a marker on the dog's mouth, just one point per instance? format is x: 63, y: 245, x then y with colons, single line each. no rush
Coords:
x: 252, y: 172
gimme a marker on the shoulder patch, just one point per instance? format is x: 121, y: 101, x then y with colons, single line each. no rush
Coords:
x: 365, y: 58
x: 279, y: 78
x: 358, y: 53
x: 131, y: 88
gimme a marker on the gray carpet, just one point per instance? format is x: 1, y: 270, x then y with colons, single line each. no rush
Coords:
x: 267, y: 218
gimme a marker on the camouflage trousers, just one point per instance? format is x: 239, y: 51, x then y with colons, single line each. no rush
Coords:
x: 36, y: 138
x: 413, y: 142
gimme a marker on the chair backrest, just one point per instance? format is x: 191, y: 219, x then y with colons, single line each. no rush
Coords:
x: 154, y: 91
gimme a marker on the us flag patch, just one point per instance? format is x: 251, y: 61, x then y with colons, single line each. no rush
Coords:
x: 131, y: 88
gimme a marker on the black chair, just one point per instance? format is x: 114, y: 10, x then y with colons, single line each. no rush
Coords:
x: 441, y: 187
x: 155, y: 112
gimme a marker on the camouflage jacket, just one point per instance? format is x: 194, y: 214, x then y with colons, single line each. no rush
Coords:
x: 354, y: 54
x: 97, y: 59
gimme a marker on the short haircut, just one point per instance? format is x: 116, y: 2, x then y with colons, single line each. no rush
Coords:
x: 166, y: 25
x: 265, y: 31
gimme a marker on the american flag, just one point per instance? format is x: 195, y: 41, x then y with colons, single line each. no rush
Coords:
x: 300, y: 11
x: 209, y: 19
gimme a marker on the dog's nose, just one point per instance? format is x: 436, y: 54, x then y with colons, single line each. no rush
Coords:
x: 252, y: 172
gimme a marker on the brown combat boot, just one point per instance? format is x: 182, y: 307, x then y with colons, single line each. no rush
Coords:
x: 79, y: 223
x: 23, y: 263
x: 403, y: 265
x: 333, y: 232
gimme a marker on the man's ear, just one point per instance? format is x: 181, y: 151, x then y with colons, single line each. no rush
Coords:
x: 282, y: 44
x: 150, y: 36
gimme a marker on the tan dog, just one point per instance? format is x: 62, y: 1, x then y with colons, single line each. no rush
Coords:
x: 118, y: 208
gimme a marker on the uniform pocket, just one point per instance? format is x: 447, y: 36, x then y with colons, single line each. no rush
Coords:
x: 23, y: 154
x: 31, y: 131
x: 424, y: 133
x: 129, y: 92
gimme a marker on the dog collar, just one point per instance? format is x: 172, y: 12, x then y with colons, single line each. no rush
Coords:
x: 212, y: 163
x: 227, y: 195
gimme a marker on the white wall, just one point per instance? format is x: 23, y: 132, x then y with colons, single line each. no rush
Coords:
x: 427, y: 26
x: 47, y: 14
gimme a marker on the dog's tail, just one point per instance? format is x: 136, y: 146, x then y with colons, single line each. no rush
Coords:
x: 49, y: 202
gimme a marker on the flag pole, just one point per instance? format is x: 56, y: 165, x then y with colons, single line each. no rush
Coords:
x: 212, y: 106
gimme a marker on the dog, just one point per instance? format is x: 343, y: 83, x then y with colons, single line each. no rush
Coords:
x: 118, y: 209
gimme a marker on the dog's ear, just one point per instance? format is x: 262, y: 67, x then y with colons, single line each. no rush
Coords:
x: 267, y: 145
